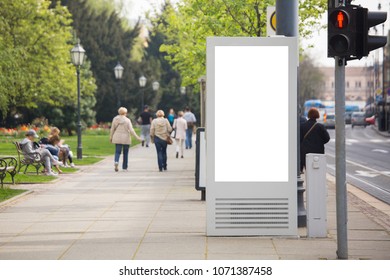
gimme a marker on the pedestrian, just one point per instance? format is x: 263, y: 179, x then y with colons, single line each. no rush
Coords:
x: 313, y: 136
x: 64, y: 149
x: 171, y: 117
x: 180, y: 127
x: 191, y: 120
x: 120, y: 135
x: 160, y: 132
x: 146, y: 119
x: 29, y: 149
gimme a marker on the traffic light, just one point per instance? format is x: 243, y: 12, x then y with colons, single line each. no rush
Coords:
x: 344, y: 31
x: 348, y: 28
x: 372, y: 42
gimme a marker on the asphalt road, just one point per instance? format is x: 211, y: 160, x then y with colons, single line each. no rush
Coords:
x: 368, y: 160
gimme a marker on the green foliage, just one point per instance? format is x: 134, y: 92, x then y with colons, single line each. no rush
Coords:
x: 158, y: 66
x: 34, y: 55
x: 194, y: 20
x: 106, y: 42
x: 311, y: 80
x: 38, y: 78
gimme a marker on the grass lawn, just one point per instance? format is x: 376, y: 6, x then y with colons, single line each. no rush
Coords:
x: 7, y: 193
x: 95, y: 147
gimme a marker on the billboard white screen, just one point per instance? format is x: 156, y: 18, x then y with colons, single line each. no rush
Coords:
x: 251, y: 113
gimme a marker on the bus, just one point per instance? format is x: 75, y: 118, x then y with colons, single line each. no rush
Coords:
x: 315, y: 103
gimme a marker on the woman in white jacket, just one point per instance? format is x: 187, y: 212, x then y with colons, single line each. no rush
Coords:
x: 180, y: 127
x: 121, y: 128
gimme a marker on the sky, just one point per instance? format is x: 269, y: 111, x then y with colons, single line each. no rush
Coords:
x: 135, y: 8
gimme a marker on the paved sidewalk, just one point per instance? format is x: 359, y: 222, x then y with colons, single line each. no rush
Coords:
x: 145, y: 214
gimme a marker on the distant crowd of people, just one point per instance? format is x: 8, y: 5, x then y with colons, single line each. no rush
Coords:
x: 159, y: 131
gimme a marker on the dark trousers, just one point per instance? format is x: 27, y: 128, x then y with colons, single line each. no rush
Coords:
x: 161, y: 147
x: 118, y: 150
x: 189, y: 132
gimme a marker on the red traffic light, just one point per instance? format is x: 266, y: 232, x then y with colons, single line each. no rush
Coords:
x: 339, y: 19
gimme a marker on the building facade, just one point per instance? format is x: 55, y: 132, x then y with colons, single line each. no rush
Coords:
x: 361, y: 83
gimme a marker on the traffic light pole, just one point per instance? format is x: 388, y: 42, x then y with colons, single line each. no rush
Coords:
x: 287, y: 25
x: 341, y: 184
x: 348, y: 39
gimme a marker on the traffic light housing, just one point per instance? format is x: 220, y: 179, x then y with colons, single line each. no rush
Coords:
x: 344, y: 31
x: 348, y: 28
x: 373, y: 42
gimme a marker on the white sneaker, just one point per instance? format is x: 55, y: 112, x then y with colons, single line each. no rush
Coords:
x: 72, y: 165
x: 51, y: 174
x: 59, y: 163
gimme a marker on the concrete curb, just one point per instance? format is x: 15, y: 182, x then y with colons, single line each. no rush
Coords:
x: 383, y: 133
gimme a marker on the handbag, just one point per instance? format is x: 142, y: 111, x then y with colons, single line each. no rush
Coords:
x: 169, y: 140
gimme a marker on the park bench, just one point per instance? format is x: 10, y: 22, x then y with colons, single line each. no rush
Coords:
x: 33, y: 159
x: 7, y: 165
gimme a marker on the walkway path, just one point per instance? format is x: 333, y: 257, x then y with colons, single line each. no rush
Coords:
x: 146, y: 214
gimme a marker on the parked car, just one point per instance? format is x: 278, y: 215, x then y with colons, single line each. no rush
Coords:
x: 358, y: 118
x: 349, y: 110
x: 371, y: 120
x: 329, y: 120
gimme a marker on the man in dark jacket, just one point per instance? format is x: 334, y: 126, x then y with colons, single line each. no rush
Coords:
x: 313, y: 136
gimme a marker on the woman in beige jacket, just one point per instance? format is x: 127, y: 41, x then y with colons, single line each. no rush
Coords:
x: 121, y: 128
x: 160, y: 130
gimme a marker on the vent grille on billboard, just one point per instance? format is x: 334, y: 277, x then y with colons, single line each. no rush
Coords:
x: 254, y: 213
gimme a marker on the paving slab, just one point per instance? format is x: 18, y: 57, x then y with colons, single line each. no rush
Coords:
x: 145, y: 214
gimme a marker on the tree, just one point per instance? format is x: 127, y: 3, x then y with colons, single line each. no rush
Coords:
x: 107, y: 41
x: 34, y: 55
x: 170, y: 80
x: 311, y: 80
x: 194, y: 20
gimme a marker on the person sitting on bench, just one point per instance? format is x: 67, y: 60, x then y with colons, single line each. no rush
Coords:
x: 29, y: 149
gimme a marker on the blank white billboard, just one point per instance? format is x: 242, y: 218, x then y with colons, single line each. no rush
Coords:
x: 251, y: 136
x: 251, y: 113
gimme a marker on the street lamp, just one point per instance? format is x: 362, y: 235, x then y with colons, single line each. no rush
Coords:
x: 142, y: 83
x: 118, y: 71
x: 155, y: 86
x: 77, y: 55
x: 183, y: 90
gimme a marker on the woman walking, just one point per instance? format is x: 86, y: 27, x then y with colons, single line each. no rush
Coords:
x: 121, y: 129
x: 160, y: 131
x: 314, y: 136
x: 180, y: 126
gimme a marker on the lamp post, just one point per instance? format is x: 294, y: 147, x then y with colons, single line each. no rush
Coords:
x: 77, y: 55
x: 118, y: 71
x: 142, y: 83
x: 155, y: 86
